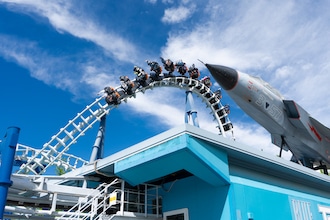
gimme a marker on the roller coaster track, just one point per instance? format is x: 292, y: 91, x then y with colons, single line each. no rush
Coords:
x: 54, y: 151
x: 68, y: 161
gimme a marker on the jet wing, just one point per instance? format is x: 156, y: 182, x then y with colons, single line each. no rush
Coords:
x: 297, y: 117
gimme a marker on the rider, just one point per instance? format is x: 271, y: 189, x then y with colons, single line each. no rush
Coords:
x: 193, y: 72
x: 206, y: 81
x: 218, y: 94
x: 112, y: 96
x: 127, y: 85
x: 156, y: 68
x: 226, y: 109
x: 168, y: 65
x: 141, y: 76
x: 181, y: 67
x: 217, y: 97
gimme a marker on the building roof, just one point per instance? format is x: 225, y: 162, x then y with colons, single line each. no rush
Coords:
x: 189, y: 150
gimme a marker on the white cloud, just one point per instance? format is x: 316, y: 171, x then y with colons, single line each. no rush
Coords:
x: 177, y: 15
x: 82, y: 78
x: 97, y: 78
x: 257, y: 137
x: 19, y: 51
x: 168, y: 1
x: 258, y: 36
x: 168, y: 106
x: 163, y: 103
x: 151, y: 1
x: 65, y: 17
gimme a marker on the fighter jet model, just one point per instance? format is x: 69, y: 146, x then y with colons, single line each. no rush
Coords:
x: 290, y: 126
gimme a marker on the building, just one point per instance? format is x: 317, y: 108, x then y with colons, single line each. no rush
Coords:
x: 201, y: 175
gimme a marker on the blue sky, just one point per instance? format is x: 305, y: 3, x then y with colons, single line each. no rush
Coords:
x: 56, y: 55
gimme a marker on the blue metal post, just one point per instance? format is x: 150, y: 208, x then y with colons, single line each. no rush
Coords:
x: 97, y: 152
x: 191, y: 113
x: 8, y: 149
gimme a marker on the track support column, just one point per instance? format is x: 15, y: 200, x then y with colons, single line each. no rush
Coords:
x: 8, y: 149
x: 191, y: 113
x: 97, y: 152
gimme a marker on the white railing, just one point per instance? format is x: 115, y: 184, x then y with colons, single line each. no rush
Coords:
x: 121, y: 201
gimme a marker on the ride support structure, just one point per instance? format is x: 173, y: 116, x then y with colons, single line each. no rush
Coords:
x: 8, y: 148
x: 54, y: 152
x: 97, y: 152
x: 191, y: 113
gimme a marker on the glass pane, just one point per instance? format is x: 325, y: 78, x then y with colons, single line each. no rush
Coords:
x: 176, y: 217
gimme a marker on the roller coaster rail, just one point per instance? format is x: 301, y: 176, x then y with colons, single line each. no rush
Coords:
x: 54, y: 151
x: 69, y: 161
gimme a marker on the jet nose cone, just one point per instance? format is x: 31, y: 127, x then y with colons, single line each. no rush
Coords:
x: 225, y: 76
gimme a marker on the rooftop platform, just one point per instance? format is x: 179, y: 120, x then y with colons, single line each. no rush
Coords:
x: 206, y: 155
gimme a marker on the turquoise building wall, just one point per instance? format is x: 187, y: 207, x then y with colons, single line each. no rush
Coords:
x: 201, y: 198
x: 228, y: 180
x: 243, y: 199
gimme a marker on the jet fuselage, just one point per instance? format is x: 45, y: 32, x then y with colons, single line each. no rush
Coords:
x: 290, y: 125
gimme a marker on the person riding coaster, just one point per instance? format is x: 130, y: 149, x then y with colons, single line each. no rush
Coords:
x: 157, y: 70
x: 126, y: 84
x: 181, y: 67
x: 206, y: 80
x: 112, y: 96
x: 193, y: 72
x: 141, y: 76
x: 168, y: 65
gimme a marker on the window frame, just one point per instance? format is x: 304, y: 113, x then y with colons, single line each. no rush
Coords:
x: 183, y: 211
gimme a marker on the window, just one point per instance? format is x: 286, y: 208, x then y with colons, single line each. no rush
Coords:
x: 176, y: 217
x: 179, y: 214
x: 301, y: 210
